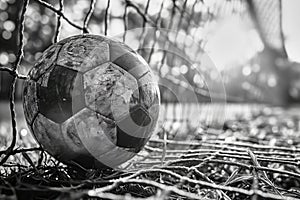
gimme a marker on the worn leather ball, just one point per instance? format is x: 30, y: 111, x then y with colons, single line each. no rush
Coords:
x: 91, y: 101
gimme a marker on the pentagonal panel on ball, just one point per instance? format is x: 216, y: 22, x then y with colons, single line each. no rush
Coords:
x: 48, y: 134
x: 83, y: 53
x: 45, y: 61
x: 134, y: 130
x: 60, y: 93
x: 30, y: 102
x: 88, y: 133
x: 110, y: 90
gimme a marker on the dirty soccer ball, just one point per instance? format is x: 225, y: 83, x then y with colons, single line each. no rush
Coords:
x: 92, y: 101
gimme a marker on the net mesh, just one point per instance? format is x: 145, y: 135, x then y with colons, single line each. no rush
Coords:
x: 269, y: 20
x: 254, y: 156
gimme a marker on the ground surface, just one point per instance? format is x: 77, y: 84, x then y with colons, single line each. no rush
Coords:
x: 254, y: 156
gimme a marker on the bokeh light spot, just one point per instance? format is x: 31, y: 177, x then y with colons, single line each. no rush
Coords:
x: 184, y: 69
x: 198, y: 80
x: 272, y: 81
x: 45, y: 19
x: 9, y: 25
x: 23, y: 132
x: 6, y: 35
x: 3, y: 5
x: 12, y: 57
x: 4, y: 58
x: 176, y: 71
x: 246, y: 70
x: 164, y: 70
x: 46, y: 30
x: 3, y: 16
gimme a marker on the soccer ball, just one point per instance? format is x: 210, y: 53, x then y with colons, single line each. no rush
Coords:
x: 92, y: 101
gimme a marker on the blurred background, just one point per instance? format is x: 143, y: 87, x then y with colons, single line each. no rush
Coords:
x: 254, y: 45
x: 228, y: 72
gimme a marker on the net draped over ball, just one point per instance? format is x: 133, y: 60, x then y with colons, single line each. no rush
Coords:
x: 92, y: 101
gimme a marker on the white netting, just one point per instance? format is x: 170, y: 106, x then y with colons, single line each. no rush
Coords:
x: 253, y: 156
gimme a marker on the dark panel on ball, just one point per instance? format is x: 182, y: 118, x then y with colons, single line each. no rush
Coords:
x: 133, y: 131
x: 48, y: 134
x: 61, y: 93
x: 127, y: 59
x: 140, y: 115
x: 30, y: 102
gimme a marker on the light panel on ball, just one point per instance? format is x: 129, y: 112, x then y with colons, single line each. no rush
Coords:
x: 91, y: 100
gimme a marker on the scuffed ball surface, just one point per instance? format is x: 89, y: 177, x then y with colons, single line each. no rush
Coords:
x: 92, y: 101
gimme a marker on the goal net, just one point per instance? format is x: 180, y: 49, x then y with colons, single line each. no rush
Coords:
x: 203, y: 148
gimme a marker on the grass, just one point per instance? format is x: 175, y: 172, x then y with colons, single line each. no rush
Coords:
x: 255, y: 156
